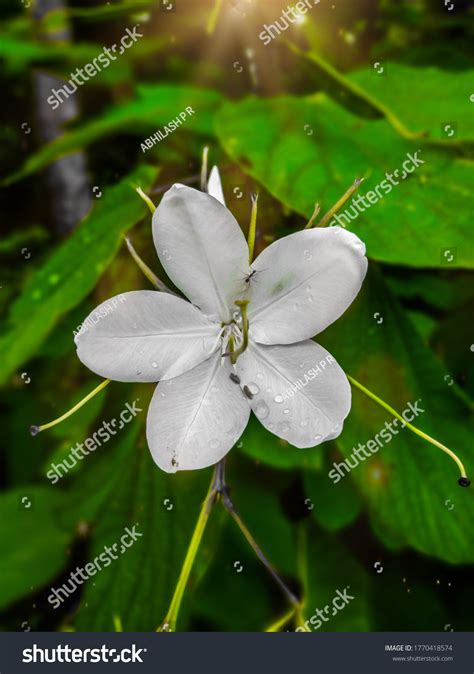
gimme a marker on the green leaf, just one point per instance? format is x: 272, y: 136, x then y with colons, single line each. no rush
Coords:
x: 310, y: 150
x: 408, y: 484
x: 438, y: 98
x: 430, y: 113
x: 326, y: 568
x: 153, y: 107
x: 72, y: 271
x: 332, y: 506
x: 32, y: 544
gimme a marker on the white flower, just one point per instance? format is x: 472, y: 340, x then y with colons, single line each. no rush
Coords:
x: 300, y: 285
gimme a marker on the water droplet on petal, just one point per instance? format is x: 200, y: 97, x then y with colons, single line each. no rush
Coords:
x: 283, y: 427
x: 278, y: 398
x: 317, y: 437
x: 287, y: 411
x: 253, y: 388
x: 154, y: 364
x: 261, y: 410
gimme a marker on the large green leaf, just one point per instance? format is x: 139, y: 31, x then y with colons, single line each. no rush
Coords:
x: 153, y: 107
x: 332, y: 506
x: 437, y: 109
x: 410, y: 487
x: 308, y: 150
x: 437, y: 98
x: 32, y: 544
x: 72, y: 271
x: 328, y: 570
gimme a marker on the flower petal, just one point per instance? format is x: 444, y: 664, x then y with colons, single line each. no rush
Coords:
x: 202, y: 249
x: 299, y: 391
x: 214, y: 185
x: 145, y: 335
x: 305, y: 281
x: 195, y: 419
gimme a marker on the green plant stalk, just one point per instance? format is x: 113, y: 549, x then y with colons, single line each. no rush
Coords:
x: 423, y: 435
x: 171, y: 618
x: 281, y: 622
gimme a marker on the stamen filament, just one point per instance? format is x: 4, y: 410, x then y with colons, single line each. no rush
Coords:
x: 242, y: 304
x: 464, y: 480
x: 205, y: 154
x: 34, y: 430
x: 151, y: 276
x: 212, y: 21
x: 340, y: 203
x: 146, y: 199
x: 253, y: 226
x: 316, y: 211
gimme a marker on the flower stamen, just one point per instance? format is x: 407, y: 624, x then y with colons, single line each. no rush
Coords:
x: 252, y: 226
x: 242, y: 304
x: 34, y: 430
x: 463, y: 481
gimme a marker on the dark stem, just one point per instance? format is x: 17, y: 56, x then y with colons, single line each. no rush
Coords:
x: 221, y: 490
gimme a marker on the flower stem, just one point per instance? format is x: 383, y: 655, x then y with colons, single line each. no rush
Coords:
x: 464, y: 480
x: 230, y: 507
x: 217, y: 489
x: 339, y: 204
x: 171, y: 618
x: 34, y: 430
x: 253, y: 226
x: 281, y: 622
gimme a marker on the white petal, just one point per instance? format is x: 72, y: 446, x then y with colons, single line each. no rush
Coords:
x: 214, y: 185
x: 195, y: 419
x: 202, y: 249
x: 299, y: 391
x: 303, y: 283
x: 145, y: 335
